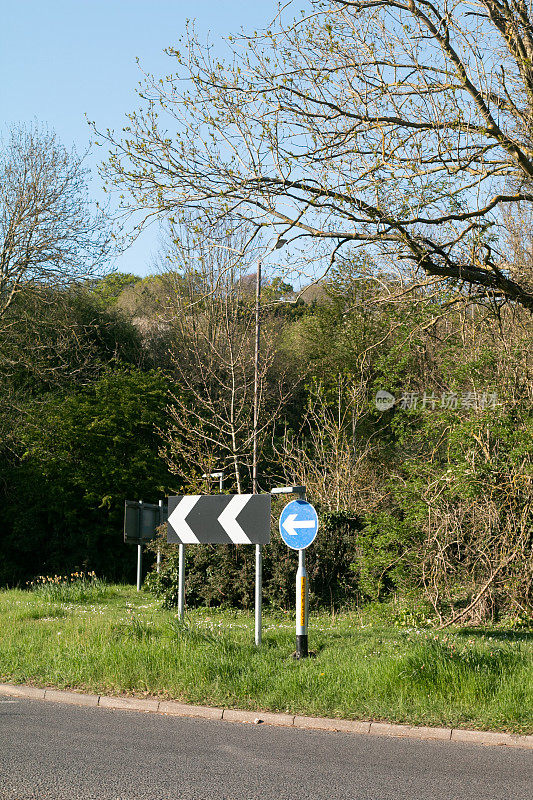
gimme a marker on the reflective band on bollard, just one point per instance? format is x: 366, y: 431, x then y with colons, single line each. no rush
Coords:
x: 303, y: 619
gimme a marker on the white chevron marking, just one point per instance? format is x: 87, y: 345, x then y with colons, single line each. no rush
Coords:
x: 229, y: 522
x: 178, y: 522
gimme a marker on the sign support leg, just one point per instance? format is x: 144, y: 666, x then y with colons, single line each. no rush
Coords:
x: 258, y: 593
x: 139, y: 566
x: 302, y: 607
x: 158, y: 562
x: 181, y: 582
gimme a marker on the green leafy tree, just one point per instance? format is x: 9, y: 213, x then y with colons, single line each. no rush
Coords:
x: 77, y: 458
x: 110, y: 287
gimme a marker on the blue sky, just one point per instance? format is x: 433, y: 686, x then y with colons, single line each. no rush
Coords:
x: 63, y: 59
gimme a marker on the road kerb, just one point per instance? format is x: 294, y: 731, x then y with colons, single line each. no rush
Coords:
x: 522, y: 741
x: 129, y: 703
x: 75, y: 698
x: 410, y: 731
x: 490, y: 738
x: 258, y: 717
x: 331, y: 724
x: 172, y: 708
x: 424, y: 732
x: 17, y: 690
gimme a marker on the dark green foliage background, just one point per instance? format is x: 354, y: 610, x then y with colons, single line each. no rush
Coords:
x: 81, y: 404
x: 79, y: 456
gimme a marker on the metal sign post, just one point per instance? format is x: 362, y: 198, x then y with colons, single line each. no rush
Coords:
x: 158, y: 560
x: 298, y: 526
x: 140, y: 550
x: 140, y: 526
x: 219, y: 475
x: 258, y: 594
x: 139, y: 566
x: 181, y: 582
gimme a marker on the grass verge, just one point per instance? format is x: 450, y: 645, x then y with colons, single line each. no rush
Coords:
x: 364, y: 669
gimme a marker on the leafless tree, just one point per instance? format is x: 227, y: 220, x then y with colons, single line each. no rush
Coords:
x: 403, y: 125
x: 518, y: 224
x: 48, y: 233
x: 211, y: 323
x: 327, y: 457
x: 480, y: 543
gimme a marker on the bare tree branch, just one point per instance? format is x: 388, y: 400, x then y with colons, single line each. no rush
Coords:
x: 48, y: 235
x: 396, y: 123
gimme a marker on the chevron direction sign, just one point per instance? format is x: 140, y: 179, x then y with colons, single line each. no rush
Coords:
x: 219, y: 519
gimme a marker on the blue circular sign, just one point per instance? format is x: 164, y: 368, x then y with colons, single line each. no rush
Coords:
x: 298, y: 524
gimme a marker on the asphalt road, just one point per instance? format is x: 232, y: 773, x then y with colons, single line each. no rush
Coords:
x: 54, y: 751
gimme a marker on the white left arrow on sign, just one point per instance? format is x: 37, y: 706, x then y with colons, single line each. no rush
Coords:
x: 228, y: 519
x: 292, y: 524
x: 177, y: 519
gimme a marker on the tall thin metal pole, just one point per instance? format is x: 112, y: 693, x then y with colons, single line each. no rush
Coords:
x: 139, y: 549
x: 255, y: 482
x: 255, y: 487
x: 256, y: 376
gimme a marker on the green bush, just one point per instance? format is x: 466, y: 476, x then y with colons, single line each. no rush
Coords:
x: 386, y: 556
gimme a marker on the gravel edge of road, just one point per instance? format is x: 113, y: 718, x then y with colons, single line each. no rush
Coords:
x: 173, y: 708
